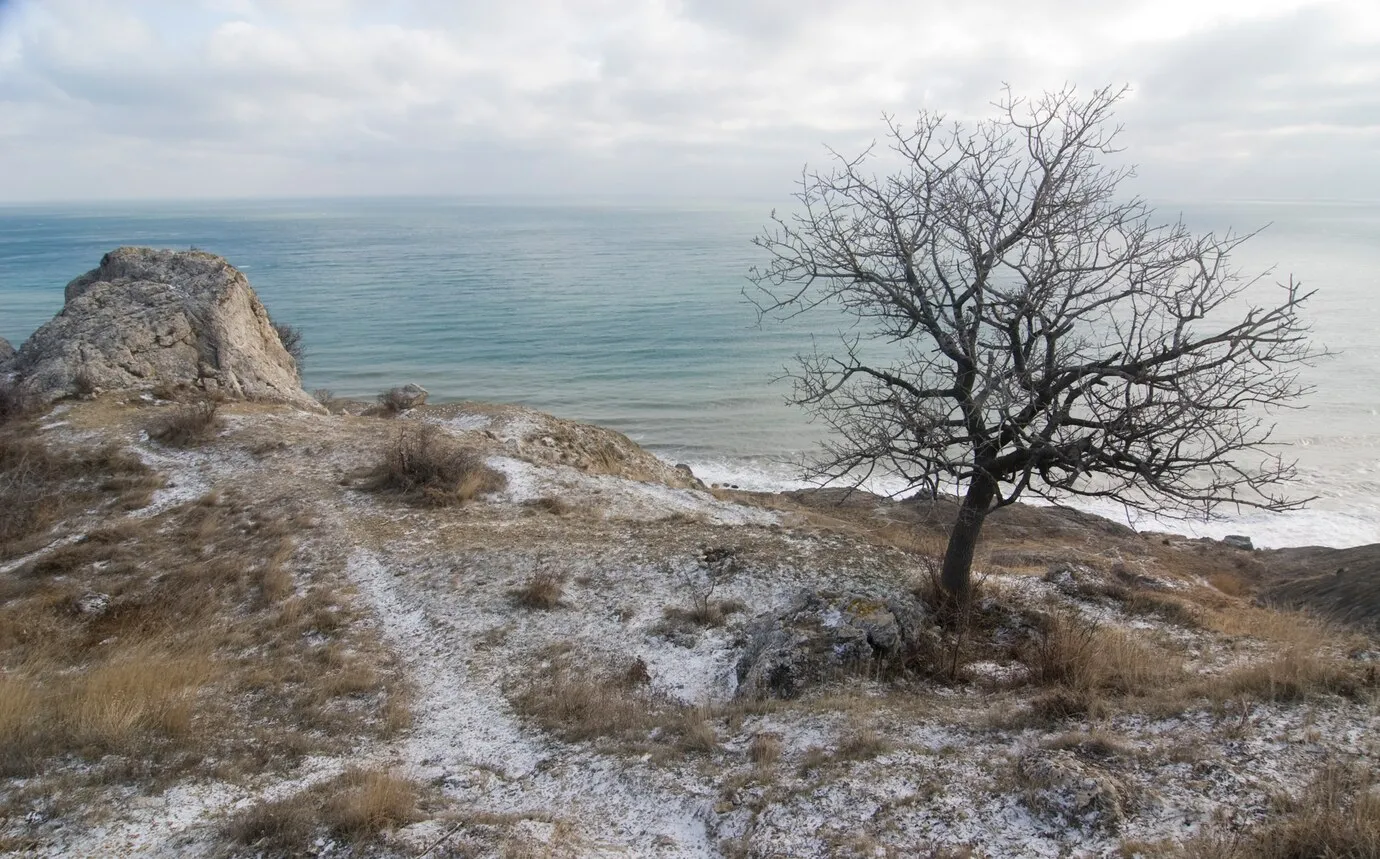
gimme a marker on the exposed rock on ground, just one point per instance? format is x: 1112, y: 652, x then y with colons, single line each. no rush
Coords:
x: 817, y: 637
x: 149, y: 318
x: 6, y: 354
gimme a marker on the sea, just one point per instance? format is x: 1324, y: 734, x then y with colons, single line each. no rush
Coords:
x: 633, y: 315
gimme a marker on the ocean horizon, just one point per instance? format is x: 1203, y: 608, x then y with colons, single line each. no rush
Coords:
x: 631, y: 315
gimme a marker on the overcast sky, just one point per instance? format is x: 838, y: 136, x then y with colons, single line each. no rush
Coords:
x: 115, y: 99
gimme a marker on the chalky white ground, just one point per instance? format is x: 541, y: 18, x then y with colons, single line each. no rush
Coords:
x: 944, y: 781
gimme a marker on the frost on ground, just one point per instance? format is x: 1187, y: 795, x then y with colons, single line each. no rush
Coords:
x: 571, y: 646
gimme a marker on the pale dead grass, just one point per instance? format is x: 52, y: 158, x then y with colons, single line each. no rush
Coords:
x: 42, y: 483
x: 1080, y: 664
x: 358, y: 806
x: 186, y: 425
x: 185, y: 643
x: 1337, y: 816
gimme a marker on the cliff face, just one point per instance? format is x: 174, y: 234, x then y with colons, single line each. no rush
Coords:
x: 146, y: 318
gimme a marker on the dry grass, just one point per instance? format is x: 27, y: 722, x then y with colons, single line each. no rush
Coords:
x: 549, y: 504
x: 41, y: 484
x: 577, y: 705
x: 1293, y: 674
x: 765, y: 750
x: 186, y: 425
x: 1079, y: 662
x: 543, y: 590
x: 861, y: 744
x: 357, y: 806
x: 426, y: 466
x: 1336, y: 817
x: 178, y: 645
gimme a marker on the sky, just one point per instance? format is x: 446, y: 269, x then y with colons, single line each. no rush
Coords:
x: 133, y: 99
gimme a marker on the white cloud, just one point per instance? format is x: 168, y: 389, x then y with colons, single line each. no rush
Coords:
x: 284, y: 97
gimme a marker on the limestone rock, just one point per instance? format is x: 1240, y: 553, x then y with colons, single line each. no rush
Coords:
x: 1072, y: 791
x: 148, y: 317
x: 409, y: 396
x: 817, y: 636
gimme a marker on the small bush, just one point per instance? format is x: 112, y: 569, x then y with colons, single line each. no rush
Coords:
x: 429, y: 467
x: 1076, y: 653
x: 357, y: 806
x: 765, y: 749
x: 863, y: 744
x: 14, y: 403
x: 395, y: 400
x: 542, y: 591
x: 186, y: 426
x: 291, y: 338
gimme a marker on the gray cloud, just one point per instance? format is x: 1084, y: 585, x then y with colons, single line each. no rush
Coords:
x: 271, y: 97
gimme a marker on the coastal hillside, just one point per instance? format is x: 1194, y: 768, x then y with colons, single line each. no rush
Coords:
x: 239, y: 624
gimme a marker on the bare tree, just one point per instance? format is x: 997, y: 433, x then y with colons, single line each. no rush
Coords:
x: 1017, y: 329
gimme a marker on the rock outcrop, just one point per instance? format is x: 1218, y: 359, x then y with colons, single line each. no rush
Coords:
x: 146, y: 318
x: 6, y: 354
x: 818, y: 636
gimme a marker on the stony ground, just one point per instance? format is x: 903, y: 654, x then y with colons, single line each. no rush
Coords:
x: 565, y: 647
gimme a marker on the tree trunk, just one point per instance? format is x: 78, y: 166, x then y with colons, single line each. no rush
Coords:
x: 958, y: 558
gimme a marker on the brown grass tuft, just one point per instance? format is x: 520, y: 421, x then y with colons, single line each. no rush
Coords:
x: 765, y: 750
x: 186, y: 425
x: 861, y: 744
x: 429, y: 467
x: 357, y: 806
x: 542, y: 591
x: 1338, y: 815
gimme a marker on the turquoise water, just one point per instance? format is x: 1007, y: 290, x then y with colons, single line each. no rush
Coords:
x: 631, y: 316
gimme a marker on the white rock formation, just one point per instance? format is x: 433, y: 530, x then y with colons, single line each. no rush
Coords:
x: 146, y: 317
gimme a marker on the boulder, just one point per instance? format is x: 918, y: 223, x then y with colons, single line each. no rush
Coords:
x: 146, y: 318
x: 6, y: 354
x: 816, y: 637
x: 1239, y: 541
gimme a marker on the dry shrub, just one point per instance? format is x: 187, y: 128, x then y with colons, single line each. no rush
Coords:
x: 575, y: 705
x: 861, y: 745
x: 429, y: 467
x: 543, y: 590
x: 765, y: 749
x: 394, y: 401
x: 186, y: 425
x: 357, y: 806
x: 1336, y: 816
x: 697, y: 735
x: 293, y: 343
x: 1079, y: 661
x: 15, y: 404
x: 1294, y: 674
x: 40, y: 484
